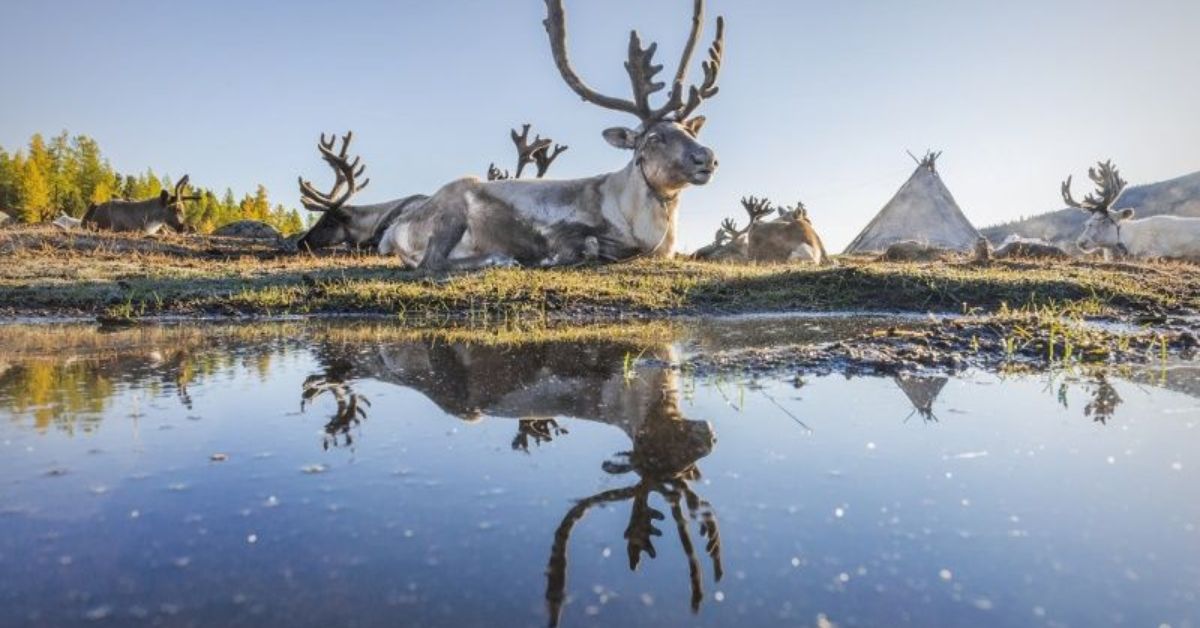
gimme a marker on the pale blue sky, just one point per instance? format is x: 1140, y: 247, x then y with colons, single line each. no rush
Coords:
x: 819, y: 100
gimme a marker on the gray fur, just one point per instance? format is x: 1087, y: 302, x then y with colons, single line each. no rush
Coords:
x: 148, y: 216
x: 470, y: 223
x: 359, y: 226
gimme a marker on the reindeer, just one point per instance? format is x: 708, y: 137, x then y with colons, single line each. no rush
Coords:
x: 729, y: 243
x: 1116, y: 231
x: 788, y: 238
x: 360, y: 226
x: 628, y: 213
x: 148, y: 216
x: 537, y: 153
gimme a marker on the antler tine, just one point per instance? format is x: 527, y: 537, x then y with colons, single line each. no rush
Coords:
x: 642, y: 70
x: 690, y: 48
x: 346, y: 171
x: 712, y: 71
x: 556, y: 29
x: 527, y: 152
x: 1109, y: 186
x: 545, y: 157
x: 1067, y: 197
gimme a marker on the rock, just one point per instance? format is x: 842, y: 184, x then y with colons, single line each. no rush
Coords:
x: 249, y: 230
x: 912, y: 251
x: 1029, y: 248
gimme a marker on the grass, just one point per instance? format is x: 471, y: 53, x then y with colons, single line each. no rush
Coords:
x: 44, y: 272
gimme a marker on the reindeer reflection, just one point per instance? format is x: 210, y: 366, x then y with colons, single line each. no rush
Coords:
x: 536, y: 382
x: 664, y: 456
x: 350, y: 405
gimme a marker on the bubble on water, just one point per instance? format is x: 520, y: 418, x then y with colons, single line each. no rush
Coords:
x: 271, y: 502
x: 843, y: 577
x: 647, y: 599
x: 183, y: 561
x: 99, y: 613
x: 65, y: 560
x: 983, y: 604
x: 252, y: 539
x: 945, y: 574
x: 795, y: 561
x: 139, y: 612
x: 592, y: 610
x: 408, y: 534
x: 219, y: 457
x: 1111, y: 460
x: 606, y: 552
x: 719, y: 596
x: 313, y: 469
x: 1039, y: 611
x: 134, y: 514
x: 965, y: 502
x: 871, y: 446
x: 824, y: 622
x: 177, y: 487
x: 1177, y: 466
x: 839, y: 512
x: 99, y: 490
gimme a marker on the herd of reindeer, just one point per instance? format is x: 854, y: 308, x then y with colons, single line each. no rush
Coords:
x: 508, y: 220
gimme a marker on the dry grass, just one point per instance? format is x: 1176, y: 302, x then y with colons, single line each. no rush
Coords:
x: 46, y: 272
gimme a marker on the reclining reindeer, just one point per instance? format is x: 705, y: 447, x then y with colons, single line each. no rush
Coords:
x: 1116, y: 231
x: 632, y: 212
x: 789, y: 238
x: 360, y: 226
x: 148, y: 216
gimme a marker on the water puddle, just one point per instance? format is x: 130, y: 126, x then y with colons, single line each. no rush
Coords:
x: 355, y: 473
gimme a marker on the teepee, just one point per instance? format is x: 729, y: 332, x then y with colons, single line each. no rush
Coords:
x: 923, y: 211
x: 922, y: 392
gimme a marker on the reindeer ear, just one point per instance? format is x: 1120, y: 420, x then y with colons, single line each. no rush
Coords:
x: 164, y: 197
x: 621, y: 137
x: 1125, y: 214
x: 695, y: 124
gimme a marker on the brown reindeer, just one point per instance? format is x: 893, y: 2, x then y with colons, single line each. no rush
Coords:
x: 789, y: 238
x: 148, y: 216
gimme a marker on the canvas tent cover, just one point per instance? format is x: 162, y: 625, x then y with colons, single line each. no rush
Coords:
x: 922, y: 211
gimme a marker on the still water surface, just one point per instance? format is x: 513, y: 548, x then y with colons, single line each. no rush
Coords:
x: 328, y: 475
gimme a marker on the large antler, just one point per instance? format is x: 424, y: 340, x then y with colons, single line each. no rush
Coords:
x: 642, y: 70
x: 347, y: 171
x: 1109, y: 186
x: 756, y: 208
x: 181, y: 187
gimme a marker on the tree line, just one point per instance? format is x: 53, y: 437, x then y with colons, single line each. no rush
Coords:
x: 67, y: 174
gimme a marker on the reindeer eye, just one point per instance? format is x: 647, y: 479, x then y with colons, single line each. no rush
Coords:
x: 653, y: 138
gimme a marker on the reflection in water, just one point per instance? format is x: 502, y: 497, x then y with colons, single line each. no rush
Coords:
x: 540, y: 430
x: 664, y: 456
x: 967, y: 523
x: 350, y: 407
x: 922, y: 392
x: 533, y: 382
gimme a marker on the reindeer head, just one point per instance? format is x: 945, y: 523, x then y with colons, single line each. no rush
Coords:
x: 332, y: 227
x: 174, y: 204
x: 665, y: 144
x: 1103, y: 228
